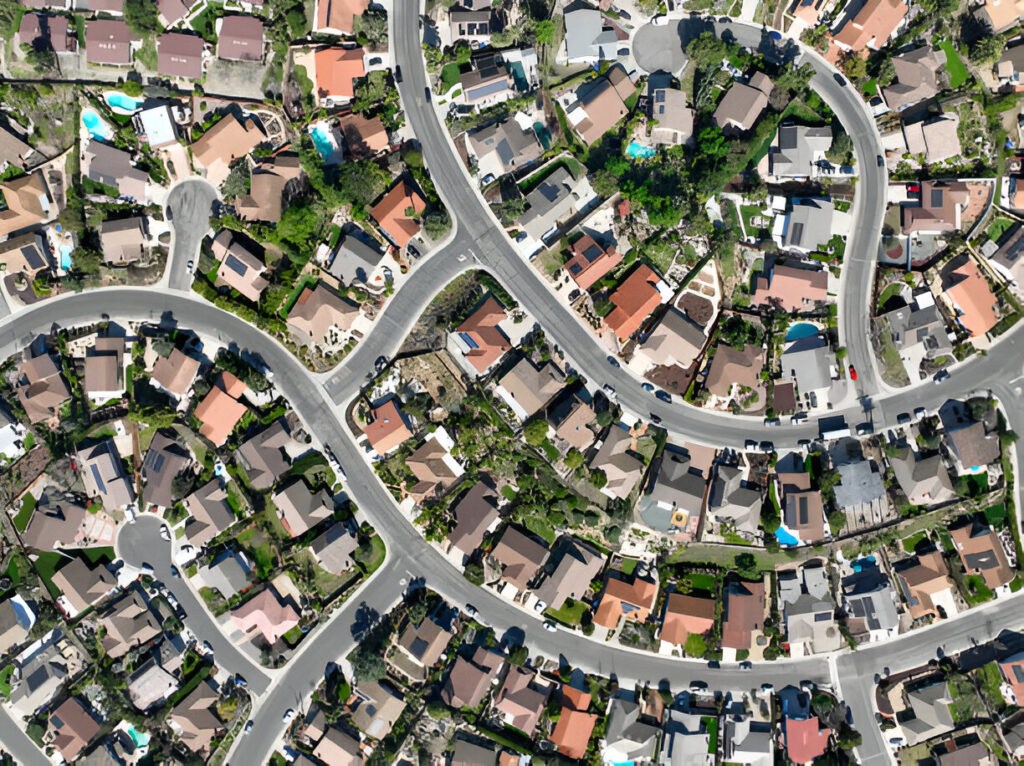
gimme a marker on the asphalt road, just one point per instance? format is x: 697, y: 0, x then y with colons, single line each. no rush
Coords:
x: 140, y: 543
x: 189, y: 206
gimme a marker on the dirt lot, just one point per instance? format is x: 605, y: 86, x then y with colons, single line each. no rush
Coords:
x: 438, y: 374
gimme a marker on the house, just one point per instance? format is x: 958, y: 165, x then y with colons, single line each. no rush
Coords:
x: 480, y: 337
x: 419, y: 647
x: 676, y: 340
x: 1006, y: 259
x: 57, y: 525
x: 150, y: 685
x: 742, y: 613
x: 627, y: 738
x: 42, y: 673
x: 687, y: 739
x: 194, y: 720
x: 936, y: 139
x: 734, y: 367
x: 227, y: 573
x: 356, y: 261
x: 170, y: 12
x: 869, y: 601
x: 44, y: 32
x: 469, y: 25
x: 266, y: 456
x: 625, y: 596
x: 861, y: 488
x: 377, y: 708
x: 981, y: 553
x: 809, y: 362
x: 266, y: 614
x: 26, y: 253
x: 924, y: 480
x: 797, y: 151
x: 804, y: 516
x: 468, y: 680
x: 942, y: 203
x: 268, y: 182
x: 338, y: 747
x: 600, y: 104
x: 123, y: 241
x: 967, y: 290
x: 588, y: 37
x: 70, y: 728
x: 15, y: 624
x: 300, y: 508
x: 684, y: 614
x: 808, y: 226
x: 104, y: 477
x: 108, y: 165
x: 433, y: 465
x: 926, y: 586
x: 27, y: 203
x: 240, y: 268
x: 337, y: 69
x: 528, y: 389
x: 805, y: 739
x: 999, y: 15
x: 621, y: 468
x: 519, y: 557
x: 918, y: 330
x: 570, y: 417
x: 747, y: 742
x: 503, y: 147
x: 109, y: 41
x: 552, y: 203
x: 571, y: 734
x: 221, y: 410
x: 156, y: 126
x: 917, y: 77
x: 672, y: 119
x: 974, y: 444
x: 633, y: 301
x: 337, y: 17
x: 333, y: 548
x: 240, y: 38
x: 488, y: 83
x: 41, y: 388
x: 870, y: 25
x: 12, y: 435
x: 742, y: 105
x: 82, y: 586
x: 320, y: 316
x: 129, y: 623
x: 521, y: 699
x: 808, y: 612
x: 364, y: 136
x: 104, y: 370
x: 466, y: 753
x: 578, y: 565
x: 930, y: 703
x: 674, y: 498
x: 1012, y: 670
x: 388, y: 427
x: 976, y: 754
x: 174, y: 373
x: 164, y: 460
x: 391, y: 213
x: 475, y: 515
x: 589, y: 261
x: 229, y: 139
x: 180, y: 55
x: 733, y: 504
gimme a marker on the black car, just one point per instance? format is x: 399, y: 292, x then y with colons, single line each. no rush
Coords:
x: 880, y: 161
x: 398, y: 74
x: 665, y: 396
x: 426, y: 93
x: 623, y: 14
x: 656, y: 419
x: 839, y: 79
x: 613, y: 361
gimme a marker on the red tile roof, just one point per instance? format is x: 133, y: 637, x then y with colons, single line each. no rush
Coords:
x: 590, y: 261
x: 482, y: 332
x: 805, y: 740
x: 635, y: 299
x: 572, y: 732
x: 390, y: 213
x: 684, y: 615
x: 336, y: 69
x: 387, y: 429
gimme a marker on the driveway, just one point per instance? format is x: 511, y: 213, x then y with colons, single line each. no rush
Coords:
x: 189, y: 206
x: 660, y: 48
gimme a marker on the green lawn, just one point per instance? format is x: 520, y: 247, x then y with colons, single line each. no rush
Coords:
x: 954, y: 64
x: 870, y: 88
x: 449, y: 76
x: 5, y: 681
x: 550, y: 451
x: 701, y: 581
x: 379, y: 552
x: 628, y: 566
x: 570, y: 614
x: 749, y: 212
x: 799, y: 111
x: 996, y: 516
x: 975, y: 590
x: 47, y: 565
x: 910, y: 544
x: 28, y: 504
x: 735, y: 539
x: 540, y: 527
x: 293, y: 636
x: 989, y: 680
x: 998, y: 228
x: 96, y: 555
x: 890, y: 292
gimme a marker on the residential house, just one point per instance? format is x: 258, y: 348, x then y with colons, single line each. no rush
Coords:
x: 104, y: 476
x: 672, y: 118
x: 221, y: 409
x: 521, y: 699
x: 917, y: 77
x: 621, y: 467
x: 742, y: 105
x: 104, y: 370
x: 433, y: 465
x: 27, y: 203
x: 267, y: 455
x: 12, y: 435
x: 265, y: 614
x: 798, y: 150
x: 14, y: 624
x: 999, y: 15
x: 57, y: 525
x: 861, y: 488
x: 743, y: 613
x: 338, y: 747
x: 488, y: 83
x: 180, y: 55
x: 466, y: 753
x: 930, y: 703
x: 240, y: 38
x: 625, y: 596
x: 337, y: 69
x: 392, y: 213
x: 174, y: 373
x: 268, y: 183
x: 570, y: 417
x: 1005, y: 258
x: 42, y: 675
x: 44, y: 32
x: 578, y: 565
x: 164, y: 460
x: 480, y: 337
x: 210, y: 513
x: 919, y: 331
x: 388, y: 427
x: 41, y: 388
x: 321, y: 317
x: 747, y: 742
x: 229, y: 139
x: 109, y: 41
x: 108, y: 165
x: 81, y: 586
x: 869, y: 601
x: 924, y: 480
x: 469, y: 25
x: 870, y: 25
x: 123, y: 241
x: 503, y: 147
x: 809, y: 363
x: 571, y: 734
x: 941, y: 206
x: 300, y: 508
x: 337, y: 17
x: 468, y: 679
x: 676, y: 340
x: 687, y: 739
x: 934, y: 139
x: 634, y: 300
x: 588, y: 37
x: 809, y: 613
x: 240, y: 268
x: 70, y: 728
x: 356, y: 262
x: 684, y: 614
x: 804, y: 517
x: 589, y: 261
x: 1012, y: 670
x: 976, y: 754
x: 805, y: 739
x: 194, y: 719
x: 26, y: 253
x: 674, y: 500
x: 733, y: 504
x: 974, y: 444
x: 926, y: 586
x: 528, y: 389
x: 968, y: 291
x: 376, y: 709
x: 627, y: 738
x: 333, y: 548
x: 519, y: 557
x: 419, y: 647
x: 981, y: 553
x: 170, y: 12
x: 475, y: 515
x: 1010, y: 68
x: 150, y: 685
x: 734, y: 367
x: 551, y: 204
x: 156, y: 126
x: 129, y: 623
x: 228, y: 573
x: 363, y: 136
x: 808, y: 226
x: 600, y: 104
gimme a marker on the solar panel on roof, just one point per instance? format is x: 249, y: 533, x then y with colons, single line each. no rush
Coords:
x: 99, y: 480
x: 235, y: 265
x: 32, y: 257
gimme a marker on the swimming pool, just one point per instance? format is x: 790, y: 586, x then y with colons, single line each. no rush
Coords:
x: 65, y: 257
x: 325, y: 142
x: 801, y: 330
x: 122, y: 101
x: 785, y: 537
x: 543, y: 135
x: 140, y: 738
x: 638, y: 151
x: 96, y: 125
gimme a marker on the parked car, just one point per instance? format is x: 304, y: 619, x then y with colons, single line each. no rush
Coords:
x: 248, y: 727
x: 471, y: 611
x: 941, y: 375
x: 613, y: 361
x: 174, y: 572
x: 550, y: 626
x: 647, y: 386
x: 289, y: 716
x: 775, y: 35
x: 665, y: 396
x: 540, y: 606
x: 656, y: 419
x: 746, y: 665
x: 853, y: 373
x: 398, y: 74
x: 165, y: 533
x: 903, y: 418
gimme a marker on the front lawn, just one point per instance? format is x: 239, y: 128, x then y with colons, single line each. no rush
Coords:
x: 998, y: 228
x: 571, y: 612
x: 379, y: 552
x: 976, y: 591
x: 5, y: 681
x: 449, y: 76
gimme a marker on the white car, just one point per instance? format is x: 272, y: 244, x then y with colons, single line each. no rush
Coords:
x: 660, y: 20
x: 540, y: 606
x: 165, y: 533
x: 289, y: 716
x: 550, y: 626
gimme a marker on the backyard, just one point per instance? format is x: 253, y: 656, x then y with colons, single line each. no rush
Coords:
x: 954, y: 64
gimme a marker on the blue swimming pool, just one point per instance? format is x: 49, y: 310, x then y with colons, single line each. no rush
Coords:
x: 801, y: 330
x: 638, y: 151
x: 95, y: 125
x: 140, y: 738
x: 65, y: 257
x: 122, y: 101
x: 785, y: 538
x: 543, y: 135
x: 325, y: 142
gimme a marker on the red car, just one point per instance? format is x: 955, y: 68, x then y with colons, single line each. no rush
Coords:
x: 853, y: 373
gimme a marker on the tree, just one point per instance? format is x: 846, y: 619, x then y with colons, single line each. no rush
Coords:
x: 367, y: 663
x: 841, y: 151
x: 518, y: 655
x: 707, y: 51
x: 544, y: 32
x: 438, y: 710
x: 536, y: 432
x: 437, y: 223
x: 746, y: 563
x: 573, y: 459
x: 141, y: 15
x: 598, y: 478
x: 695, y: 645
x: 836, y: 521
x: 985, y: 50
x: 853, y: 66
x: 373, y: 25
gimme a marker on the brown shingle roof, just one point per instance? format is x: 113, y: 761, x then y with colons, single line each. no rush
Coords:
x: 240, y: 39
x: 180, y: 55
